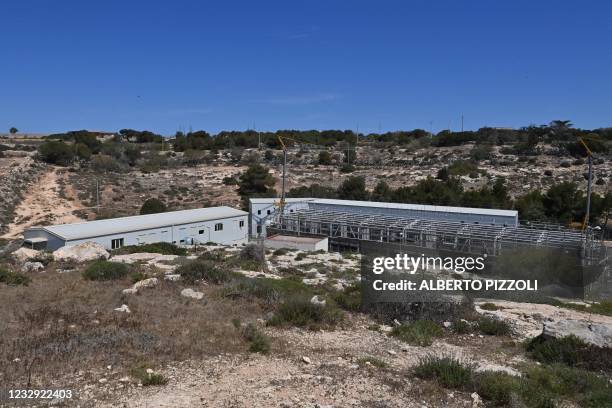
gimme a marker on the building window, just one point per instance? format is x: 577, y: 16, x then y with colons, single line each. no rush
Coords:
x: 200, y: 232
x: 241, y: 223
x: 259, y: 229
x: 258, y: 212
x: 269, y: 212
x: 182, y: 241
x: 219, y: 227
x: 116, y: 243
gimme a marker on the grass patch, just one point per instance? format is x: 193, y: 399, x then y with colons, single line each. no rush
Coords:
x: 204, y: 270
x: 105, y: 271
x: 301, y: 312
x: 418, y: 333
x: 493, y: 327
x: 137, y: 276
x: 164, y: 248
x: 271, y: 291
x: 447, y: 371
x: 372, y: 361
x: 280, y: 252
x: 147, y: 378
x: 602, y: 308
x: 13, y: 278
x: 489, y: 306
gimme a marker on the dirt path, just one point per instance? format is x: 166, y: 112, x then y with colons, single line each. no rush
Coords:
x: 43, y: 204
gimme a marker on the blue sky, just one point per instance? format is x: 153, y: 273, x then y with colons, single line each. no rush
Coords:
x: 388, y: 65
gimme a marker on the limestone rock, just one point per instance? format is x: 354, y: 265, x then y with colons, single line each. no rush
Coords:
x: 190, y: 293
x: 146, y: 283
x: 87, y: 251
x: 23, y: 254
x: 32, y: 267
x: 592, y: 333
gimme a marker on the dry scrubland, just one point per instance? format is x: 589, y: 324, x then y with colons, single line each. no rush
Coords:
x: 256, y: 337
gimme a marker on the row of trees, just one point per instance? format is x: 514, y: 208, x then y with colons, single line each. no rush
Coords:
x: 562, y: 203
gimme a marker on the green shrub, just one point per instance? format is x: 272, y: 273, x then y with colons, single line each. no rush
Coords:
x: 302, y: 313
x: 300, y: 256
x: 13, y: 278
x: 447, y: 371
x: 137, y: 276
x: 496, y: 386
x: 164, y: 248
x: 105, y: 270
x: 563, y: 350
x: 349, y: 299
x: 280, y: 252
x: 260, y: 343
x: 489, y: 306
x: 203, y: 270
x: 147, y: 379
x: 493, y: 327
x: 461, y: 327
x: 152, y: 206
x: 418, y: 333
x: 216, y: 256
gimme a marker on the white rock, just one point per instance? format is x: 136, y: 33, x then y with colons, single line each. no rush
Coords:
x: 316, y: 300
x: 123, y: 308
x: 87, y: 251
x: 23, y: 254
x: 190, y: 293
x: 129, y: 291
x: 592, y: 333
x: 172, y: 277
x: 32, y: 267
x: 306, y: 360
x: 392, y: 352
x: 124, y: 379
x: 447, y: 324
x: 476, y: 400
x: 146, y: 283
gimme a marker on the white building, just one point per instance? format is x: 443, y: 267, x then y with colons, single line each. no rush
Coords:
x: 262, y: 211
x: 222, y: 225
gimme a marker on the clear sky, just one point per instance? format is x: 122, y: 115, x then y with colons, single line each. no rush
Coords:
x: 328, y: 64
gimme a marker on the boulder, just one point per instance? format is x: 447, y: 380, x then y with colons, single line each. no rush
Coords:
x: 146, y: 283
x: 23, y: 254
x: 592, y: 333
x: 316, y: 300
x: 32, y: 267
x: 123, y: 309
x: 190, y: 293
x: 87, y: 251
x: 129, y: 291
x: 172, y: 277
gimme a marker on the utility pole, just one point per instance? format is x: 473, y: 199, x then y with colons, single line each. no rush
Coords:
x: 97, y: 194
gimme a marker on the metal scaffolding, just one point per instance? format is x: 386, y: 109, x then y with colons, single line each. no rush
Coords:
x: 457, y: 236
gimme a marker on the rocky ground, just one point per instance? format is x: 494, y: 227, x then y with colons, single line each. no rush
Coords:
x: 96, y: 333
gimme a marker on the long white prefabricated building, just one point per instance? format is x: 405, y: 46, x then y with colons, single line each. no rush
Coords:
x: 221, y: 225
x: 262, y: 211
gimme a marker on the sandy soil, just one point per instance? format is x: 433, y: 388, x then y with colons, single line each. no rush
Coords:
x: 43, y: 204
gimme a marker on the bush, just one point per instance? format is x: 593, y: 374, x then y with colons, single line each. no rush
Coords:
x: 13, y: 278
x: 203, y: 270
x: 260, y: 343
x: 56, y: 152
x: 496, y: 386
x: 302, y: 313
x: 418, y: 333
x: 447, y: 371
x: 493, y: 327
x: 164, y: 248
x: 280, y: 252
x: 253, y: 252
x: 230, y: 181
x: 489, y: 306
x: 152, y: 206
x: 105, y: 270
x: 271, y: 291
x: 572, y: 351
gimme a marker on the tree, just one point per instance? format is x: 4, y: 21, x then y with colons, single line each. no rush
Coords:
x: 56, y: 152
x: 353, y: 188
x: 255, y: 182
x: 13, y: 130
x: 152, y: 206
x: 382, y: 192
x: 563, y: 202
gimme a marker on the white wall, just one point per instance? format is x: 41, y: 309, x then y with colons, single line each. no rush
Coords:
x: 322, y: 244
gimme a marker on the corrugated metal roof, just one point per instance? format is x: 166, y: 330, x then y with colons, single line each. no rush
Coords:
x: 418, y: 207
x: 275, y: 199
x: 82, y: 230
